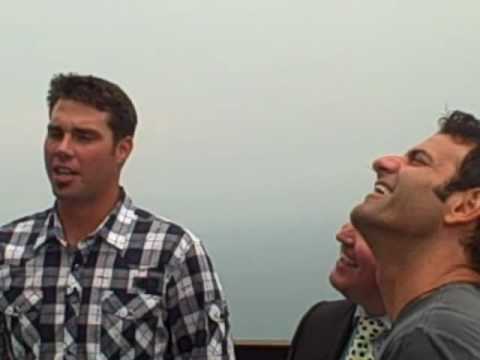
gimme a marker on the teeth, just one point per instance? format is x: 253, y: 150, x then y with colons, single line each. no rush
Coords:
x: 379, y: 188
x: 345, y: 259
x: 63, y: 171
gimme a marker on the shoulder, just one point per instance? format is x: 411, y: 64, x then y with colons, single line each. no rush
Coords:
x: 154, y: 225
x: 18, y: 237
x: 25, y: 226
x: 413, y: 344
x: 161, y: 234
x: 329, y: 322
x: 325, y: 312
x: 446, y: 321
x: 454, y: 307
x: 454, y: 312
x: 329, y: 309
x: 423, y: 343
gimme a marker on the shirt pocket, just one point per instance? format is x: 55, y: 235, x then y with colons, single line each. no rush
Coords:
x: 22, y: 313
x: 132, y: 325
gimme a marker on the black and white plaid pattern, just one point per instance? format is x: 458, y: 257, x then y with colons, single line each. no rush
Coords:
x: 139, y: 287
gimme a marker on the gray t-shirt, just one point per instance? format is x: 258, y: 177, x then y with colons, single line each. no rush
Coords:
x: 443, y: 325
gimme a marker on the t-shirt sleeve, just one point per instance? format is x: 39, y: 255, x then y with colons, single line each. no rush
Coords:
x: 420, y: 344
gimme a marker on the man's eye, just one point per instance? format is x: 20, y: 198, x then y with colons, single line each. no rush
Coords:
x: 54, y: 134
x: 84, y: 137
x: 418, y: 160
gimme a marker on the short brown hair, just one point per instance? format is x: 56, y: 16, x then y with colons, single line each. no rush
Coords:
x: 465, y: 128
x: 101, y: 94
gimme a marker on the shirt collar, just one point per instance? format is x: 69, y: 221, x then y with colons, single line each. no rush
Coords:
x: 46, y: 232
x: 115, y: 229
x: 118, y: 227
x: 361, y: 312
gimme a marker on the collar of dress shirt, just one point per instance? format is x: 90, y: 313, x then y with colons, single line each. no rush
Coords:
x: 114, y: 228
x: 360, y: 311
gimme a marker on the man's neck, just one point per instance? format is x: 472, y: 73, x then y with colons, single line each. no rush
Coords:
x: 374, y: 306
x: 405, y: 277
x: 79, y: 219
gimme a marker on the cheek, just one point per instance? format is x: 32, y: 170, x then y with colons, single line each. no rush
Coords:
x: 91, y: 153
x: 47, y: 150
x: 96, y: 162
x: 366, y: 262
x: 422, y: 206
x: 47, y: 146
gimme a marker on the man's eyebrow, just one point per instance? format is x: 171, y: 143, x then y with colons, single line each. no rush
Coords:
x: 75, y: 129
x: 85, y: 130
x: 52, y: 127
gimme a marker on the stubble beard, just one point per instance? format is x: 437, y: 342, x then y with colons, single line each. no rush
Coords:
x: 370, y: 225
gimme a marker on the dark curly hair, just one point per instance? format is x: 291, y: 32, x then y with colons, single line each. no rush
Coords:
x: 465, y: 128
x: 101, y: 94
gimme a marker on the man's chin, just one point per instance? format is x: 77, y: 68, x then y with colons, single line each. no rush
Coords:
x: 362, y: 215
x: 356, y: 215
x: 341, y: 285
x: 64, y: 193
x: 339, y: 279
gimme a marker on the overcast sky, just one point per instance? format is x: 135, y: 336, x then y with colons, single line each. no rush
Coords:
x: 258, y: 119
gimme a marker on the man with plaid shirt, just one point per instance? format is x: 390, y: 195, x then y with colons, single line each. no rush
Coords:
x: 95, y: 277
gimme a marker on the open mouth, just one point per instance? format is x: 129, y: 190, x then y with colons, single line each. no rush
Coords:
x: 346, y: 260
x: 63, y: 175
x: 63, y: 171
x: 382, y: 188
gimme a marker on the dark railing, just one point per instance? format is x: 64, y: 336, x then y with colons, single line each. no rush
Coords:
x: 261, y: 349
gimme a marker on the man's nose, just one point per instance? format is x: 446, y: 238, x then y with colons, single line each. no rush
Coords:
x: 387, y: 164
x: 65, y: 146
x: 345, y: 236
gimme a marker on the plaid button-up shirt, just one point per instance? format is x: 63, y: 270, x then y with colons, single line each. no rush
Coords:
x: 139, y: 287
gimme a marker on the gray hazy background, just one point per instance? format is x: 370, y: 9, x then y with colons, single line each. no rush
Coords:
x: 258, y: 119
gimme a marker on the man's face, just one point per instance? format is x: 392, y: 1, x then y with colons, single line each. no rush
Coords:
x: 82, y: 161
x: 404, y: 199
x: 354, y: 274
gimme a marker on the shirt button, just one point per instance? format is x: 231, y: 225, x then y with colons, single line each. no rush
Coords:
x: 215, y: 313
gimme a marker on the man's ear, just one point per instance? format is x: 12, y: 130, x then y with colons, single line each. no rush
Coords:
x: 463, y: 207
x: 123, y: 149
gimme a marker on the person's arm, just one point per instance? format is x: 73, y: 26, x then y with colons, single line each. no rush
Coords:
x: 299, y: 332
x: 4, y: 354
x: 198, y: 318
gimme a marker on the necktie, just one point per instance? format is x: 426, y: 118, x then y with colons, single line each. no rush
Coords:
x: 367, y: 330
